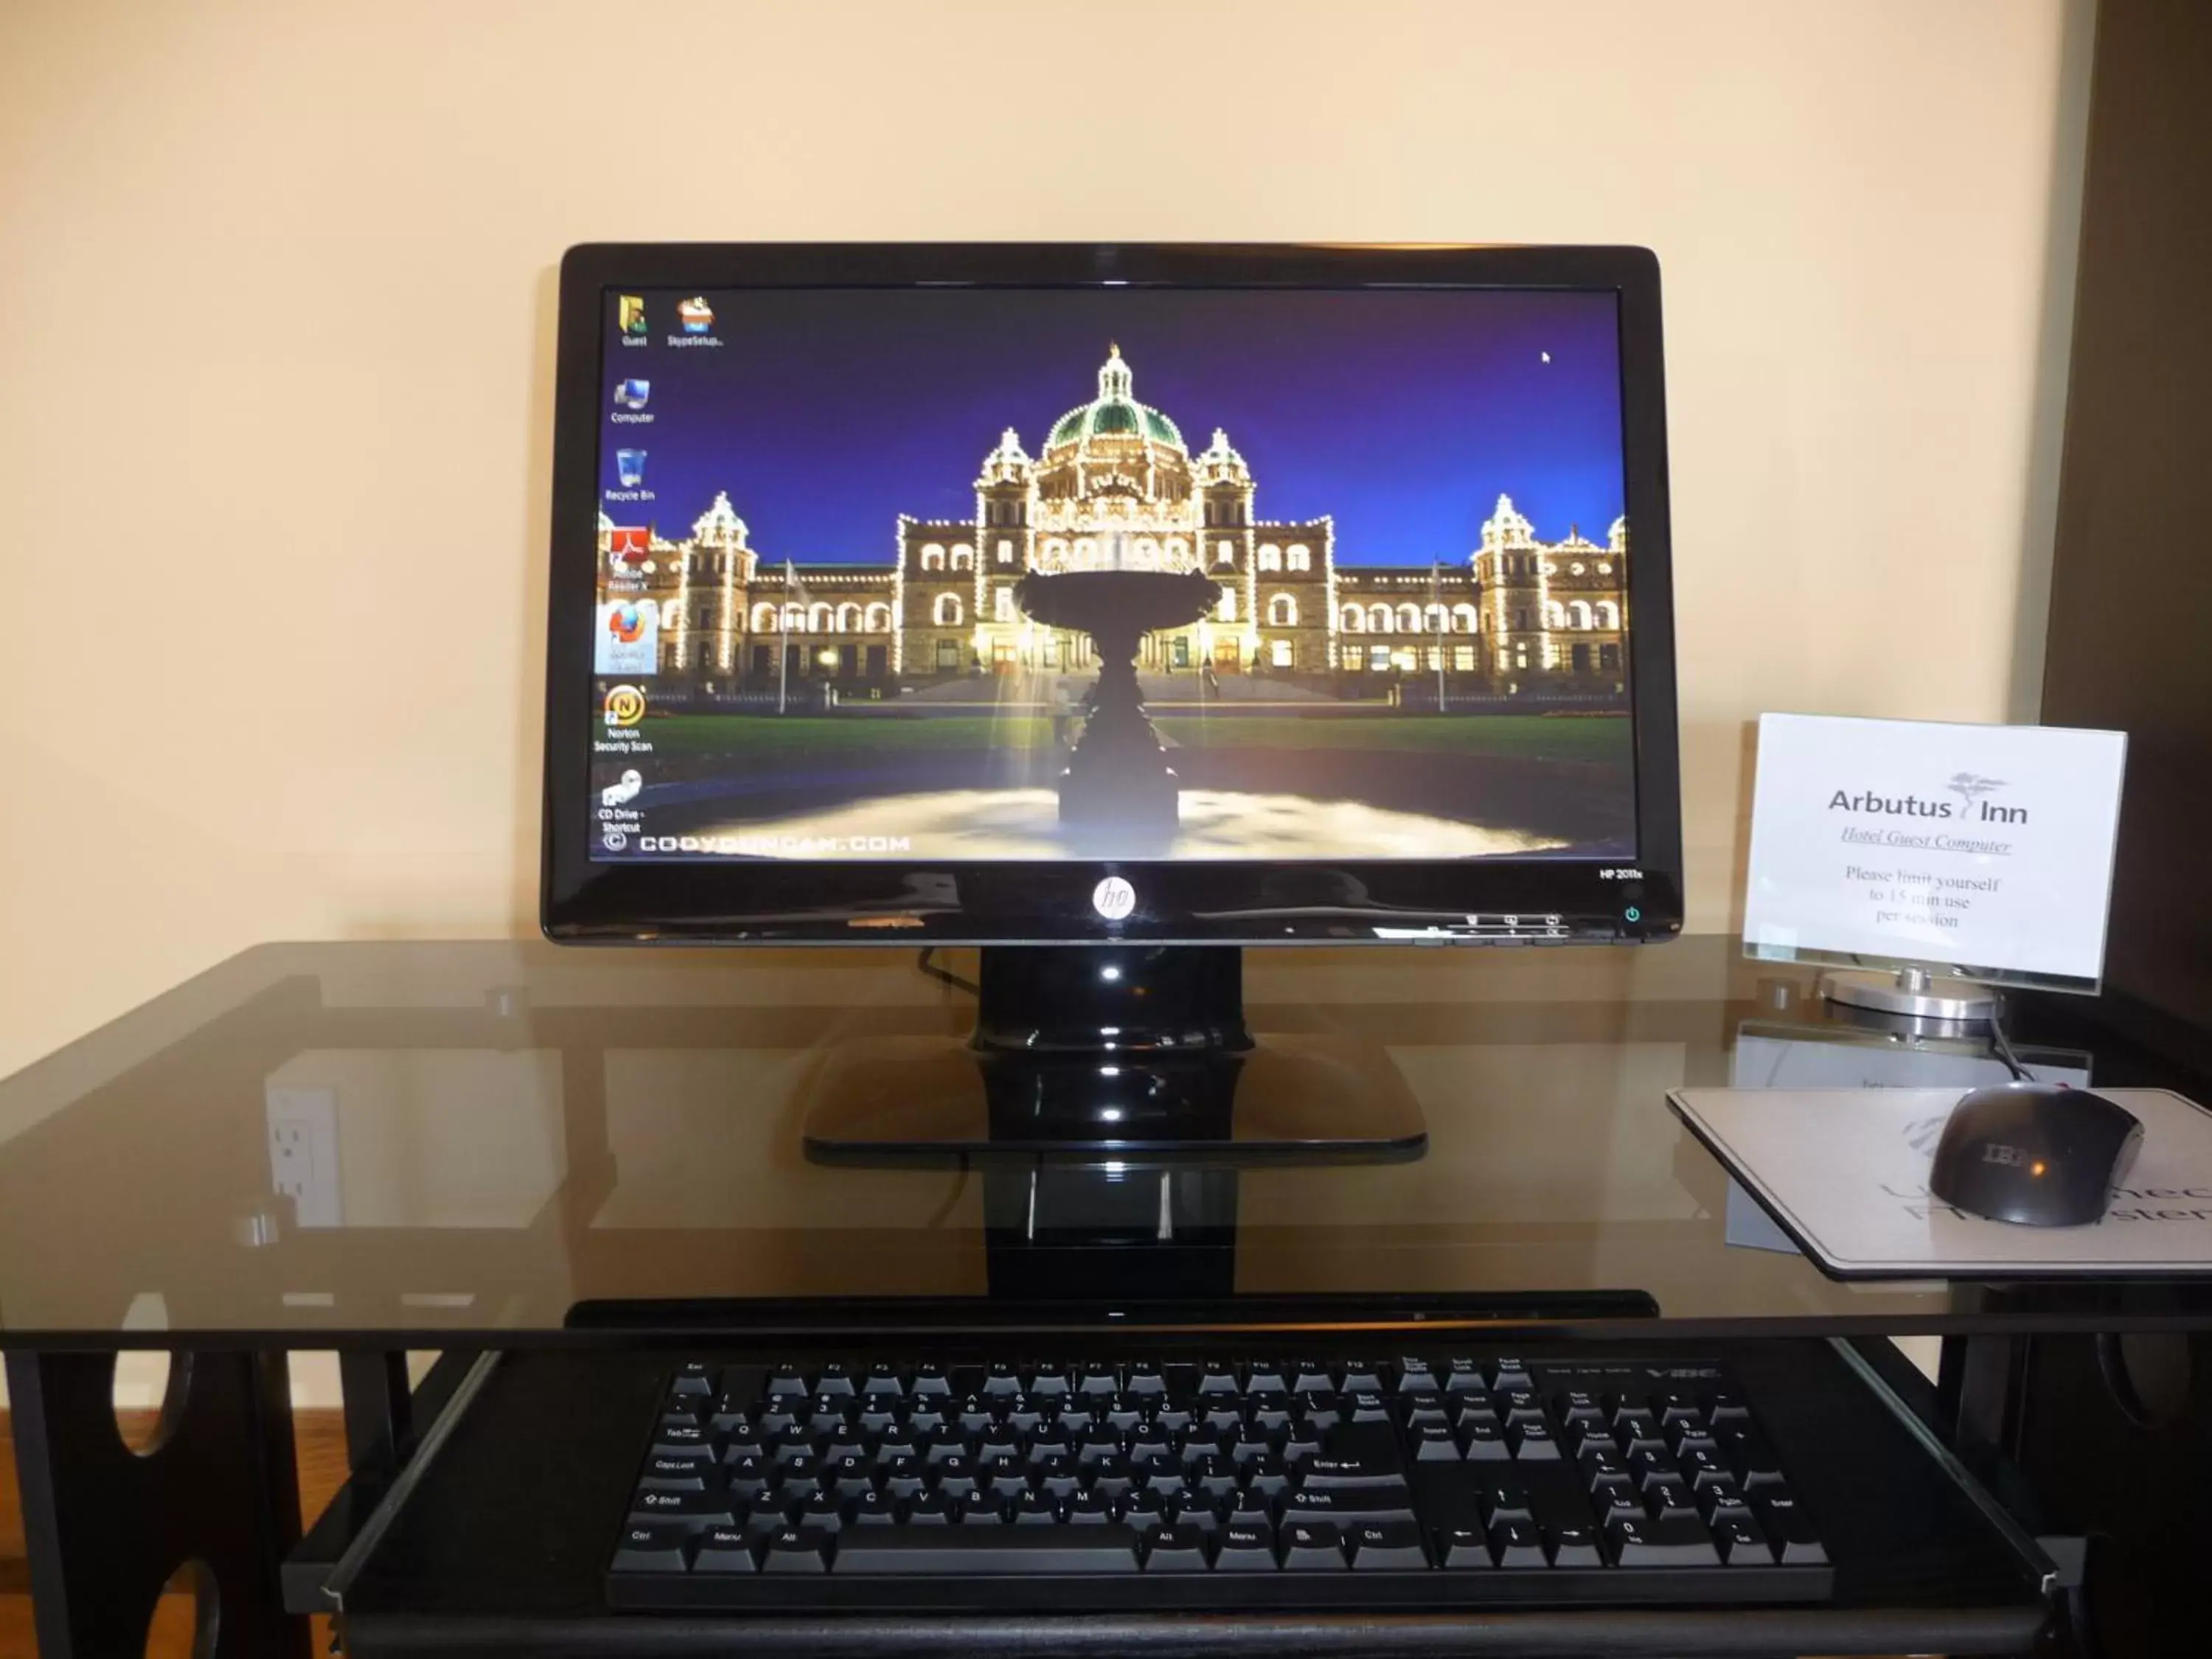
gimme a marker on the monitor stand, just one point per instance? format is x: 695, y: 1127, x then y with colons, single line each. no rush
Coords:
x: 1111, y: 1052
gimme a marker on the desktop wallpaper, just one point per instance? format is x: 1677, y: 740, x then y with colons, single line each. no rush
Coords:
x: 975, y: 574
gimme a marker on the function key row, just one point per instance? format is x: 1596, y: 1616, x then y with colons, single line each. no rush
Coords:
x: 890, y: 1378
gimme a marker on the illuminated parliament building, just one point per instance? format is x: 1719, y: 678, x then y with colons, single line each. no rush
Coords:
x: 1114, y: 485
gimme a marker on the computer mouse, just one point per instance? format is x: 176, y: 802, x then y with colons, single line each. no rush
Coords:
x: 2040, y: 1154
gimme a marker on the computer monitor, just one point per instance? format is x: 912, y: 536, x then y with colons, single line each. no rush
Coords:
x: 1137, y: 597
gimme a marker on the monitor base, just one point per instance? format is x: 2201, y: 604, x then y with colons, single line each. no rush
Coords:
x: 1114, y: 1054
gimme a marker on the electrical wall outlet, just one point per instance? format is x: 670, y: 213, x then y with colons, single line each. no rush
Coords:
x: 303, y: 1153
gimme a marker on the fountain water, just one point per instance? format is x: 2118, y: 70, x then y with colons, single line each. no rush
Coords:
x: 1118, y: 774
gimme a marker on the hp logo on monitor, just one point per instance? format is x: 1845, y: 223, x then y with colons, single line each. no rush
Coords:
x: 1113, y: 898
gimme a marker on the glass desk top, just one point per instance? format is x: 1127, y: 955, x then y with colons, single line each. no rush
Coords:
x: 509, y: 1143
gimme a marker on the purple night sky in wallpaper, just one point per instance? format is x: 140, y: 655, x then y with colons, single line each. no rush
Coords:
x: 1403, y: 415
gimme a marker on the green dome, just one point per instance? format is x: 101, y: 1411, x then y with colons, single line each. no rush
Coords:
x: 1114, y: 413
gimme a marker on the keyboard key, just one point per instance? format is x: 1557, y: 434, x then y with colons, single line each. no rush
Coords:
x: 1145, y: 1507
x: 1264, y: 1474
x: 931, y: 1377
x: 1385, y: 1546
x: 1503, y: 1500
x: 1433, y: 1442
x: 1754, y: 1460
x: 1719, y: 1498
x: 1360, y: 1376
x: 1311, y: 1546
x: 1245, y: 1546
x: 1366, y: 1405
x: 1517, y: 1544
x: 676, y: 1471
x: 1619, y: 1498
x: 931, y: 1508
x: 1702, y: 1467
x: 1462, y: 1375
x: 1502, y: 1374
x: 1666, y: 1497
x: 1532, y: 1443
x: 980, y: 1509
x: 1458, y: 1548
x: 1098, y: 1378
x: 1483, y: 1442
x: 787, y: 1381
x: 1422, y: 1406
x: 1789, y: 1531
x: 1219, y: 1377
x: 1346, y: 1508
x: 805, y: 1549
x: 1573, y: 1546
x: 653, y: 1547
x: 884, y: 1381
x: 1415, y: 1374
x: 1049, y: 1380
x: 1726, y: 1407
x: 696, y: 1377
x: 695, y: 1511
x: 1312, y: 1377
x: 1578, y: 1405
x: 676, y: 1438
x: 1637, y: 1430
x: 724, y: 1549
x: 1353, y: 1456
x: 1676, y: 1406
x: 1741, y: 1542
x: 963, y: 1551
x: 1265, y: 1376
x: 1174, y: 1548
x: 1088, y: 1509
x: 836, y: 1377
x: 1517, y: 1406
x: 1676, y: 1541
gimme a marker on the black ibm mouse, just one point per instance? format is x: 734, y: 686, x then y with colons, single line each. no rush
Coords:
x: 2040, y: 1154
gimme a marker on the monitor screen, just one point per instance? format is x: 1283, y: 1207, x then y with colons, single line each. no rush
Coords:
x: 942, y: 574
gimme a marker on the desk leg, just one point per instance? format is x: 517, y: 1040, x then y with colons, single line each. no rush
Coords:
x: 105, y: 1527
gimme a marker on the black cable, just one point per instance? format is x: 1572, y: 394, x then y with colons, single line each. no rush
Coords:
x: 2000, y: 1046
x: 943, y: 976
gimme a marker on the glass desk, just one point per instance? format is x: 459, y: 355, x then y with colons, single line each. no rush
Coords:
x: 375, y: 1147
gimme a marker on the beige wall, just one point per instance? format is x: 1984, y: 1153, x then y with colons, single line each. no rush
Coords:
x: 276, y: 288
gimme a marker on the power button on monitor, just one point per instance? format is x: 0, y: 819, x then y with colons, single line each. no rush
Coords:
x: 1632, y: 913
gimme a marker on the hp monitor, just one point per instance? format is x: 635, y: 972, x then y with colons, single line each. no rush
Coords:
x: 1110, y: 608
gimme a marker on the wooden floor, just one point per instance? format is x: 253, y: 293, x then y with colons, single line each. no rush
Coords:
x: 320, y: 1438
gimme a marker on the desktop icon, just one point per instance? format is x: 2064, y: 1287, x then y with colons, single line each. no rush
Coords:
x: 627, y: 640
x: 624, y: 790
x: 629, y: 543
x: 624, y: 706
x: 614, y: 839
x: 695, y: 314
x: 629, y: 312
x: 630, y: 467
x: 632, y: 394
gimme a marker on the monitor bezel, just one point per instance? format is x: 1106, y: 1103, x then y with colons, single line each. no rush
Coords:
x: 943, y: 901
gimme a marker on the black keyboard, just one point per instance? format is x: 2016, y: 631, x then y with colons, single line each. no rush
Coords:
x: 1437, y: 1479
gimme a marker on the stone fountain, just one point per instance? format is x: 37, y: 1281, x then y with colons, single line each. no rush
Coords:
x: 1119, y: 774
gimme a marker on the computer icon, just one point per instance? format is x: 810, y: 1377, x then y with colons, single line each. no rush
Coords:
x: 1115, y: 608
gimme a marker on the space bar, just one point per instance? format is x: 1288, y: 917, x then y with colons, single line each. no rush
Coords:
x: 988, y: 1548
